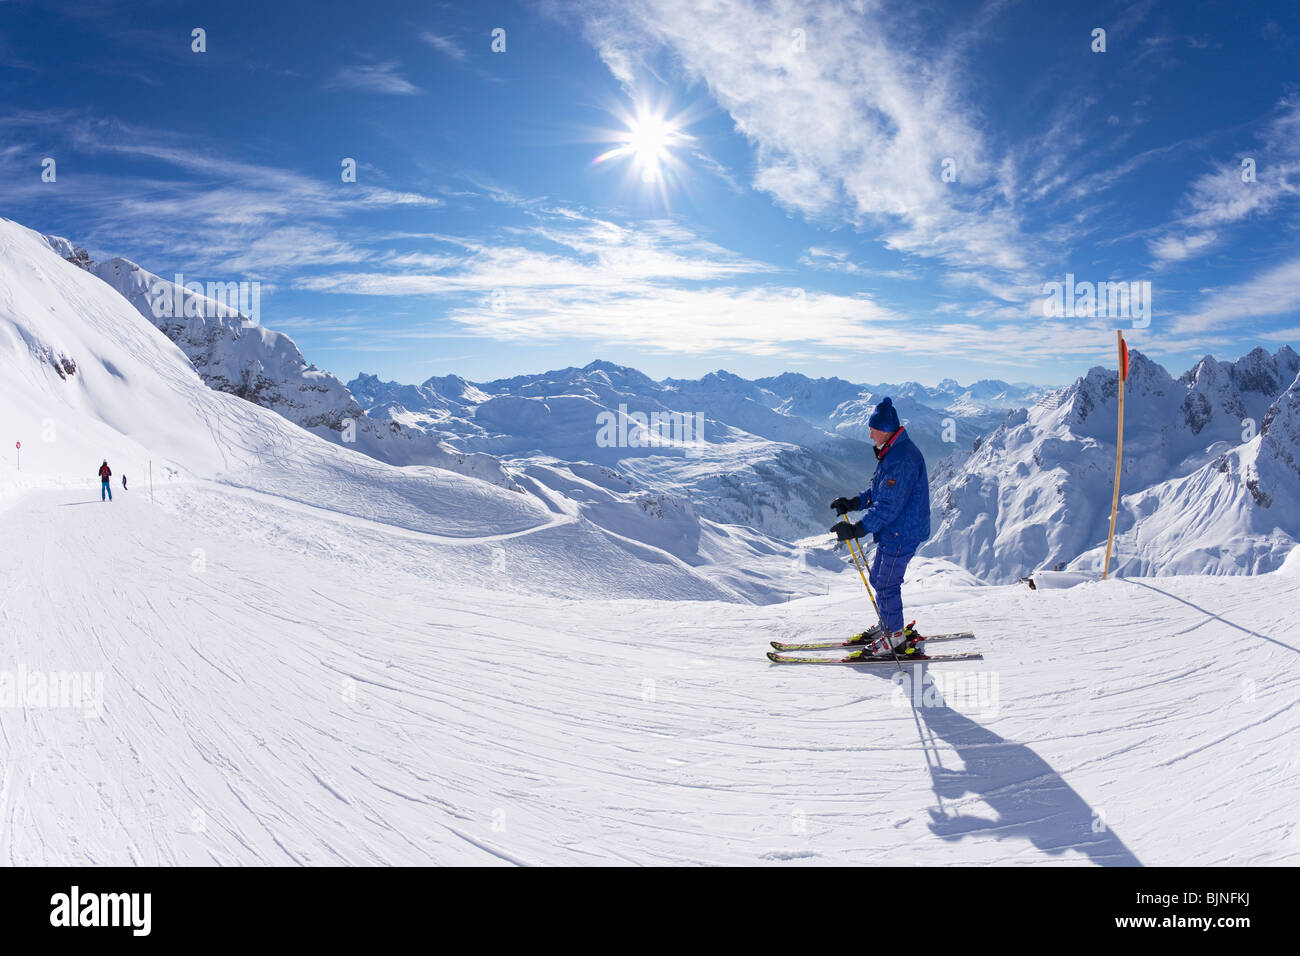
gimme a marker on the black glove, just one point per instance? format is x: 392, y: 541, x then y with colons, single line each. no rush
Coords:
x: 842, y: 506
x: 848, y: 529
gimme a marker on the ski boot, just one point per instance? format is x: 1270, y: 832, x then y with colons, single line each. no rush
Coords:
x: 913, y: 643
x: 871, y: 637
x: 900, y: 647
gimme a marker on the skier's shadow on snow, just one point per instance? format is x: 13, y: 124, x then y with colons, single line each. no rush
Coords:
x: 1031, y: 800
x: 1210, y: 614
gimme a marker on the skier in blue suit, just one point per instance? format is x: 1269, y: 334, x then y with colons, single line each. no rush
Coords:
x: 896, y: 513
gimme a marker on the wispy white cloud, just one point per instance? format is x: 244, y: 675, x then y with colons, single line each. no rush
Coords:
x: 1177, y: 248
x: 754, y: 321
x: 707, y: 162
x: 297, y: 323
x: 581, y: 253
x: 422, y: 260
x: 1004, y: 291
x: 446, y: 46
x: 660, y: 287
x: 289, y: 247
x: 223, y: 213
x: 1274, y: 292
x: 374, y: 78
x: 574, y: 276
x: 834, y: 260
x: 846, y: 124
x: 1226, y: 196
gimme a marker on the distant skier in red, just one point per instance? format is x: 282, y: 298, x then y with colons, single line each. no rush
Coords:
x: 105, y: 486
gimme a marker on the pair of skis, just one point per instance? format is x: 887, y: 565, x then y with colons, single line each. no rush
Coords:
x: 777, y: 656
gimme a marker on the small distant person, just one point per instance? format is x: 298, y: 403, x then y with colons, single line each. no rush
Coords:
x: 124, y: 481
x: 105, y: 487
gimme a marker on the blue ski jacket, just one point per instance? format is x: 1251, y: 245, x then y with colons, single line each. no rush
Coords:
x: 897, y: 504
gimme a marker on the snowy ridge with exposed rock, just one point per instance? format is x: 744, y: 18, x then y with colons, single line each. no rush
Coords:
x: 1035, y: 493
x: 232, y: 354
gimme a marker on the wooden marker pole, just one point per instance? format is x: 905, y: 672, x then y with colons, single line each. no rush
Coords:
x: 1119, y: 448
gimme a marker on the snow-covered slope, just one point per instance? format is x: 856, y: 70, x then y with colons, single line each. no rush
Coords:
x: 339, y: 692
x: 87, y: 377
x: 232, y: 354
x: 1035, y: 493
x: 292, y: 653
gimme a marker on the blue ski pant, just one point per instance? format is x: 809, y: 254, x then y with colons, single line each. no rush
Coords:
x: 887, y: 569
x: 105, y: 489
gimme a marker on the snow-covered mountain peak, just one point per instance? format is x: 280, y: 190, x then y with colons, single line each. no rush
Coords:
x: 1256, y: 372
x: 619, y: 375
x: 65, y: 249
x: 723, y: 382
x: 1090, y: 403
x: 456, y: 389
x: 1033, y: 494
x: 1280, y: 437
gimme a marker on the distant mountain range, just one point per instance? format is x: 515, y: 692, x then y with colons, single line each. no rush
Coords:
x: 772, y: 452
x: 1020, y: 475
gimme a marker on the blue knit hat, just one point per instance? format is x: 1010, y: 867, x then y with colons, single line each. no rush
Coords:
x: 884, y: 418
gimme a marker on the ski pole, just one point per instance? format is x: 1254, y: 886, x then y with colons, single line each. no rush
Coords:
x: 863, y: 565
x: 856, y: 551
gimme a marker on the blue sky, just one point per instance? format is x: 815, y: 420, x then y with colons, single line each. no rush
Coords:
x: 772, y: 195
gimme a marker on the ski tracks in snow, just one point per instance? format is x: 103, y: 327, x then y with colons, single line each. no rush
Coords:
x: 282, y: 685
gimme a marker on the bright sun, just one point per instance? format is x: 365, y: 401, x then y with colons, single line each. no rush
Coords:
x: 647, y: 142
x: 649, y: 139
